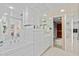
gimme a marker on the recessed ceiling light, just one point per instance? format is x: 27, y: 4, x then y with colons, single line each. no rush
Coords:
x: 11, y: 7
x: 62, y: 10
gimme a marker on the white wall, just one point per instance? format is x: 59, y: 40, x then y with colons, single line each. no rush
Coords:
x: 32, y: 41
x: 75, y: 35
x: 71, y: 38
x: 36, y: 41
x: 68, y: 40
x: 41, y: 39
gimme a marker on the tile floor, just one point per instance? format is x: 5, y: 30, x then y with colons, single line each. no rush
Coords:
x: 57, y: 52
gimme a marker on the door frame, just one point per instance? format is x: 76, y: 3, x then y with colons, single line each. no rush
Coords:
x: 63, y: 31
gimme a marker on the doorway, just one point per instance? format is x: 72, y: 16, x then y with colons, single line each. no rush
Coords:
x: 58, y: 37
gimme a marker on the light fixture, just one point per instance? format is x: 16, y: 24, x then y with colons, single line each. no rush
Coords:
x: 10, y: 7
x: 62, y: 10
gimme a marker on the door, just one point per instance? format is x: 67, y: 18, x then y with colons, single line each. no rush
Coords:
x: 59, y: 30
x: 59, y: 41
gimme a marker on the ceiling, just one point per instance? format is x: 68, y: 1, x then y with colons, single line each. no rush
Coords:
x: 42, y: 8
